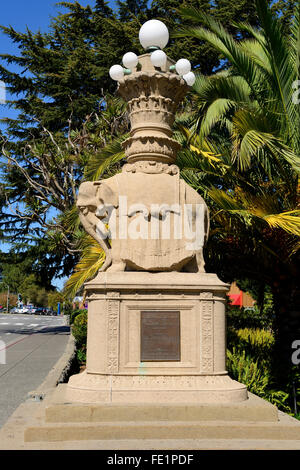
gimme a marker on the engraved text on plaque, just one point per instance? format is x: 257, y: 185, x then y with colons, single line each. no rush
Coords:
x: 160, y: 336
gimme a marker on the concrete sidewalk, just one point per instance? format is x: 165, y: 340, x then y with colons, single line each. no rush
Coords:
x: 12, y: 431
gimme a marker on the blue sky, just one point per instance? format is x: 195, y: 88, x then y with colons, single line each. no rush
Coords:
x: 34, y: 14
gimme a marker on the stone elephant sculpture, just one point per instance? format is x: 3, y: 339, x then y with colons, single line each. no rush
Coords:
x: 139, y: 220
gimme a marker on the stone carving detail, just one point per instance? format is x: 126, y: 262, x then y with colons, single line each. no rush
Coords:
x: 152, y: 101
x: 113, y: 335
x: 113, y: 295
x: 206, y: 295
x: 92, y: 296
x: 143, y: 86
x: 150, y: 167
x: 207, y: 337
x: 174, y: 382
x: 151, y: 109
x: 150, y: 147
x: 162, y: 196
x: 165, y: 223
x: 144, y: 382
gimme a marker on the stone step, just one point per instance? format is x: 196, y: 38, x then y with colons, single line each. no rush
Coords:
x: 285, y: 429
x: 254, y: 409
x: 176, y: 445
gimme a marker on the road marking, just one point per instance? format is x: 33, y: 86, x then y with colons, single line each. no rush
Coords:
x: 33, y: 324
x: 4, y: 323
x: 18, y: 324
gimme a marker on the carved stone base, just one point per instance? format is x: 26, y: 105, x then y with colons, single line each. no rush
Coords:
x: 115, y: 371
x: 93, y: 388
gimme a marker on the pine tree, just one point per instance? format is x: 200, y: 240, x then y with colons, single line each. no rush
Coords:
x: 131, y: 8
x: 65, y: 79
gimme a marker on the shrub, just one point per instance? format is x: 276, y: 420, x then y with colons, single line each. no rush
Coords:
x: 242, y: 368
x: 257, y: 343
x: 79, y: 330
x: 256, y: 376
x: 249, y: 317
x: 81, y: 355
x: 249, y: 362
x: 74, y: 314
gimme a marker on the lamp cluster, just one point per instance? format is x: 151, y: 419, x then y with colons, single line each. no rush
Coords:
x: 153, y: 36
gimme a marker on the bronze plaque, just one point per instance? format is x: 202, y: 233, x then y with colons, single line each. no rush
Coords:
x: 160, y: 336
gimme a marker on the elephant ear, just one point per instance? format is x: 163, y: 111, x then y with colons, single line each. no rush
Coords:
x: 106, y: 195
x: 86, y: 195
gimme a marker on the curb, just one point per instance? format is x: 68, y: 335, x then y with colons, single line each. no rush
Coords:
x: 58, y: 374
x: 12, y: 432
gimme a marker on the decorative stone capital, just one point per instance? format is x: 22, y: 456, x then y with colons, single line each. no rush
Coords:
x: 150, y: 167
x: 148, y: 147
x: 152, y: 95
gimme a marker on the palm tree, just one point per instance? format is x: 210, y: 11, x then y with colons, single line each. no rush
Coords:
x: 247, y: 116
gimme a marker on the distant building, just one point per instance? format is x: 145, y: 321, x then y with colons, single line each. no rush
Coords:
x: 240, y: 298
x: 78, y: 302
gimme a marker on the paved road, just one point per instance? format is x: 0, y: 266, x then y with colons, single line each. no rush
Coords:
x: 30, y: 345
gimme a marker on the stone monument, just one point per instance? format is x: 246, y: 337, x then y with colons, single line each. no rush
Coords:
x: 156, y: 319
x: 156, y: 344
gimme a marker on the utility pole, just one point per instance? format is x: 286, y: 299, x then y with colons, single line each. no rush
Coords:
x: 7, y: 303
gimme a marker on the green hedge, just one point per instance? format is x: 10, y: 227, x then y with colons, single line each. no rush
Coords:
x: 249, y: 357
x: 250, y: 317
x: 74, y: 313
x: 79, y: 331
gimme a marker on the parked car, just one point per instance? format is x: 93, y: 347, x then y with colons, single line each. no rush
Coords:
x: 40, y: 311
x: 29, y: 309
x: 16, y: 310
x: 24, y: 309
x: 50, y: 312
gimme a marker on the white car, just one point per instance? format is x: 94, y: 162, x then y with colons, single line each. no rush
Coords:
x: 18, y: 310
x: 25, y: 309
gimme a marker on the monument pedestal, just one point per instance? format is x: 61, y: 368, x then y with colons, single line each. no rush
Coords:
x: 155, y: 337
x: 157, y: 402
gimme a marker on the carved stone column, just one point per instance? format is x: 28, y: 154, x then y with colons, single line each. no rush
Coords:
x: 153, y: 96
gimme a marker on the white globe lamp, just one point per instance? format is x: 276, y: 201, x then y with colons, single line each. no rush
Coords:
x: 116, y: 72
x: 154, y: 33
x: 189, y: 78
x: 130, y: 60
x: 183, y: 66
x: 158, y: 58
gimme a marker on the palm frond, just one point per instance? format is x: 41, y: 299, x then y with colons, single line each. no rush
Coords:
x: 216, y: 35
x: 288, y: 221
x: 283, y: 71
x: 91, y: 261
x: 250, y: 137
x: 216, y: 112
x: 261, y: 206
x: 106, y: 158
